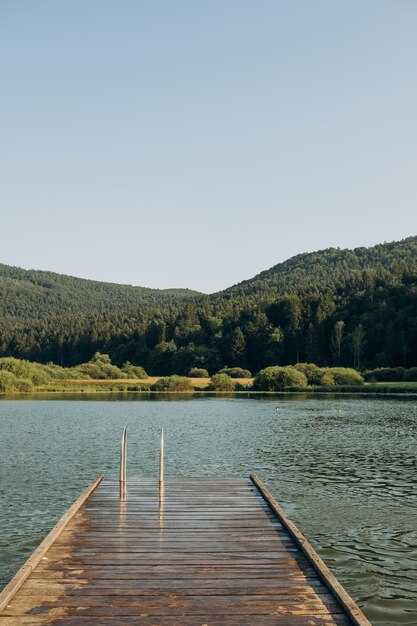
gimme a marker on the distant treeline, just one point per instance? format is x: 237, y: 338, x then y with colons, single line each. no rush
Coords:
x: 340, y: 308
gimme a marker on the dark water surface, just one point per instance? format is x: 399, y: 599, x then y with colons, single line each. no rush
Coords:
x: 345, y: 470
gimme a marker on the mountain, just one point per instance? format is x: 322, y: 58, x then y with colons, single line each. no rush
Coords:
x: 333, y: 307
x: 39, y: 294
x: 311, y: 272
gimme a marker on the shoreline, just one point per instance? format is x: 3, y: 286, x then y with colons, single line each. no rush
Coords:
x: 141, y: 387
x: 34, y: 394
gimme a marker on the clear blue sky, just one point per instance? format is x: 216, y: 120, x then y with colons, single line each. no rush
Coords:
x: 197, y: 142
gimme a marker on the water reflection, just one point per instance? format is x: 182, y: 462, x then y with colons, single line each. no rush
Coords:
x: 161, y: 505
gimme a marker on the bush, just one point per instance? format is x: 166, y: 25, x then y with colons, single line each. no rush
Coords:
x: 312, y: 372
x: 23, y: 384
x: 39, y: 377
x: 221, y: 382
x: 276, y: 378
x: 8, y: 381
x: 198, y: 372
x: 172, y: 383
x: 20, y: 368
x: 326, y: 380
x: 240, y: 387
x: 316, y: 376
x: 385, y: 374
x: 235, y: 372
x: 56, y: 372
x: 17, y: 367
x: 410, y: 374
x: 139, y: 387
x: 100, y: 368
x: 134, y: 371
x: 345, y: 376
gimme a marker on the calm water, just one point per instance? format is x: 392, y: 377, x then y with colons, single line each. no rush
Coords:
x: 344, y: 469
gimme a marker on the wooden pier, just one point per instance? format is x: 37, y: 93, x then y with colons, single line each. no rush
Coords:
x: 188, y: 551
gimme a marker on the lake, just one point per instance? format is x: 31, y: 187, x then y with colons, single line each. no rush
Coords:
x: 344, y: 469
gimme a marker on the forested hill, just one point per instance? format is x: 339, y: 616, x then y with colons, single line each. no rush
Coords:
x: 330, y: 268
x: 39, y: 294
x: 332, y: 307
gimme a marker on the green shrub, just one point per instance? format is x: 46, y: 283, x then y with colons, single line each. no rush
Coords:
x: 134, y: 371
x: 56, y: 372
x: 17, y: 367
x: 326, y: 380
x: 198, y: 372
x: 345, y: 376
x: 316, y: 376
x: 172, y: 383
x: 276, y: 378
x: 312, y: 372
x: 24, y: 384
x: 386, y: 374
x: 39, y: 377
x: 410, y: 375
x: 8, y: 381
x: 20, y: 368
x: 240, y: 387
x: 235, y: 372
x: 100, y: 368
x: 221, y: 382
x: 139, y: 387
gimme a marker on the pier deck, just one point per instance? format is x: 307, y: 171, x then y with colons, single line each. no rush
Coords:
x: 204, y: 551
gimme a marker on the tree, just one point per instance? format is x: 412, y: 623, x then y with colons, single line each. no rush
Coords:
x: 336, y: 338
x: 159, y: 362
x: 358, y: 337
x: 284, y: 315
x: 238, y: 348
x: 273, y: 351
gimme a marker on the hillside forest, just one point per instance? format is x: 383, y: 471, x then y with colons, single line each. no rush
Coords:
x: 335, y: 307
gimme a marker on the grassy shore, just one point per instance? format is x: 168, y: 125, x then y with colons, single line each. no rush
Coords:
x: 401, y: 388
x: 122, y: 384
x: 137, y: 385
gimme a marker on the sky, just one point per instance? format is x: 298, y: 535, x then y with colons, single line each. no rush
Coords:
x: 195, y: 143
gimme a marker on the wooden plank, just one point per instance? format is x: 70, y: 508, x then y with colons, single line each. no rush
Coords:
x: 177, y: 581
x: 14, y: 585
x: 208, y: 552
x: 190, y: 620
x: 351, y: 608
x: 172, y: 604
x: 169, y: 571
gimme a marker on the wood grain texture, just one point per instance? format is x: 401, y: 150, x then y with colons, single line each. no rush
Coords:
x: 14, y: 585
x: 351, y: 608
x: 205, y: 552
